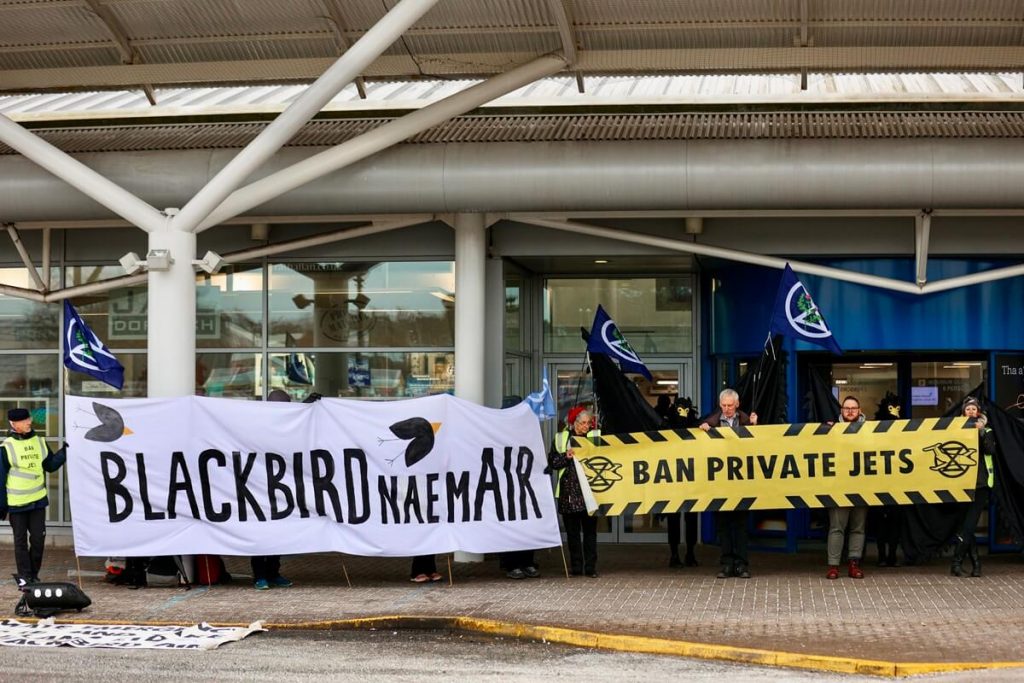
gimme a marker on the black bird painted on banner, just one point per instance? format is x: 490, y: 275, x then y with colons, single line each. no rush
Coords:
x: 421, y: 431
x: 111, y: 427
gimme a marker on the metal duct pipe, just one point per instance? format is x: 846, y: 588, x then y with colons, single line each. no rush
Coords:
x: 609, y: 176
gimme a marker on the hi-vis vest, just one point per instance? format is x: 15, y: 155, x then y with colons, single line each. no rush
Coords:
x: 989, y: 467
x: 26, y: 481
x: 562, y: 444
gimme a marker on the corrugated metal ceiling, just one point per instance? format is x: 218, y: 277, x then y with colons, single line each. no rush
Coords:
x: 559, y: 128
x: 65, y: 44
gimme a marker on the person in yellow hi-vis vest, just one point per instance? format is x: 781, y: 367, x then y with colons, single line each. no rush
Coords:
x: 966, y: 543
x: 25, y: 460
x: 576, y: 520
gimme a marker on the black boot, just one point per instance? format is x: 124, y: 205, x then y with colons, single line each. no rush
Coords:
x: 956, y: 568
x: 975, y: 561
x: 673, y: 560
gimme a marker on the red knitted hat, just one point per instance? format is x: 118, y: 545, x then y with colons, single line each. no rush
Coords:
x: 574, y: 412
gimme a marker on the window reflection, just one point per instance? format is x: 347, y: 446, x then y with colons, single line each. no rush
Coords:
x: 363, y: 375
x: 654, y: 314
x: 26, y: 324
x: 229, y: 307
x: 366, y: 304
x: 135, y: 386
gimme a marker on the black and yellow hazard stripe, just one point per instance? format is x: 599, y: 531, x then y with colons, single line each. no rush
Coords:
x: 669, y: 446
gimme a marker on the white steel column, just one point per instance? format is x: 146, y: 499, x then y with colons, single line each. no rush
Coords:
x: 171, y: 355
x: 494, y: 332
x: 470, y: 308
x: 355, y: 60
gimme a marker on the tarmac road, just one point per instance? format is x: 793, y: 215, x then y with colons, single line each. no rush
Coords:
x: 396, y: 656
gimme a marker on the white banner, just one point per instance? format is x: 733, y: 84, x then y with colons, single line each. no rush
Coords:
x: 126, y: 636
x: 196, y: 475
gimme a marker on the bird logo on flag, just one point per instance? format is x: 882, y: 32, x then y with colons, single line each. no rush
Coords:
x: 420, y: 434
x: 111, y: 426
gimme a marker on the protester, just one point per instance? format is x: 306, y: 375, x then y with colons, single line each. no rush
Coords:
x: 966, y: 543
x: 424, y: 569
x: 885, y: 522
x: 24, y: 462
x: 266, y: 569
x: 847, y: 522
x: 571, y: 503
x: 732, y: 524
x: 682, y: 414
x: 520, y: 564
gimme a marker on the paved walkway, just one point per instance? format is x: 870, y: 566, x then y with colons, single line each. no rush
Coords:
x: 908, y: 614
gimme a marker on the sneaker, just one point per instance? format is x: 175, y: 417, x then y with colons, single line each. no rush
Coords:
x: 674, y: 561
x: 593, y: 574
x: 531, y: 572
x: 725, y: 572
x: 516, y: 574
x: 261, y: 585
x: 743, y: 573
x: 280, y: 582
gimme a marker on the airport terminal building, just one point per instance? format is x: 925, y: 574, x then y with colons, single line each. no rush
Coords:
x: 446, y: 206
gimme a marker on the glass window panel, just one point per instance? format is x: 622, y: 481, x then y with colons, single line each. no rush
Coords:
x: 26, y: 324
x: 118, y: 317
x: 229, y: 307
x: 867, y: 382
x: 80, y: 384
x: 393, y: 304
x: 364, y: 375
x: 30, y: 381
x: 230, y: 375
x: 654, y: 314
x: 513, y: 317
x: 937, y: 388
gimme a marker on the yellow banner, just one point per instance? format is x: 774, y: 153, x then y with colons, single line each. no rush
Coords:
x: 898, y: 462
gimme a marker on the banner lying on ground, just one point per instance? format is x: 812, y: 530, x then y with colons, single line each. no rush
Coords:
x: 783, y: 466
x: 48, y: 634
x: 205, y: 475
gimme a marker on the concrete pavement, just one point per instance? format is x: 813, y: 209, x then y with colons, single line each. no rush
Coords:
x: 895, y: 621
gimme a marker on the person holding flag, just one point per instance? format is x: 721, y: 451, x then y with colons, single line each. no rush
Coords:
x: 572, y: 491
x: 25, y: 458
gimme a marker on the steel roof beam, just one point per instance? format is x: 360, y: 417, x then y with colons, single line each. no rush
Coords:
x: 80, y: 176
x: 283, y: 128
x: 890, y: 284
x: 380, y: 138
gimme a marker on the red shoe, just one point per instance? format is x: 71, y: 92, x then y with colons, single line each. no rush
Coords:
x: 855, y: 571
x: 833, y: 572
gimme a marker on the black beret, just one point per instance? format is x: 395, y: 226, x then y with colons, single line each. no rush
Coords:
x: 18, y: 414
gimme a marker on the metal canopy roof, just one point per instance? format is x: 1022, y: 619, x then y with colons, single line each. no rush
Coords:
x: 100, y: 44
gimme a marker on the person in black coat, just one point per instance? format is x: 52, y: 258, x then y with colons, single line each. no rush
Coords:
x: 732, y: 524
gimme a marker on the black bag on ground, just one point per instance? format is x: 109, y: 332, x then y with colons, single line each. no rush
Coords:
x: 46, y: 599
x: 165, y: 571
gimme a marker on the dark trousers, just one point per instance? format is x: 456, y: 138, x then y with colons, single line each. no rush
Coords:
x: 517, y: 559
x: 582, y: 555
x: 423, y: 564
x: 675, y: 529
x: 266, y: 567
x: 732, y: 534
x: 972, y: 515
x: 29, y: 530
